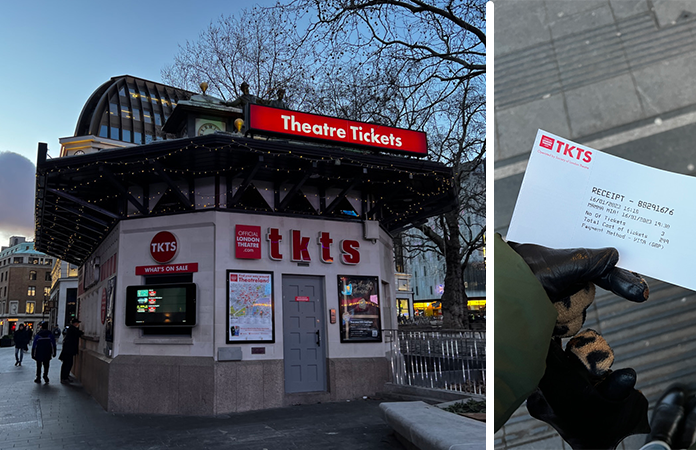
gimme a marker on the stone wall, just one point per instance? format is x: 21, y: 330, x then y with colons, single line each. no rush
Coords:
x: 201, y: 386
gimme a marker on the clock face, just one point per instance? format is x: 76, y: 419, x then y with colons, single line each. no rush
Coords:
x: 207, y: 128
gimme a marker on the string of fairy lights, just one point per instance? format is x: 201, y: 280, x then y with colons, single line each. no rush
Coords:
x: 384, y: 179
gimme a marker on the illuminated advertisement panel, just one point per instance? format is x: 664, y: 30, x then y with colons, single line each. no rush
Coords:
x: 359, y: 306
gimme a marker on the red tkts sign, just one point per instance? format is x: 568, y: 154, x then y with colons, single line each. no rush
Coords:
x: 347, y: 132
x: 163, y: 247
x: 247, y: 240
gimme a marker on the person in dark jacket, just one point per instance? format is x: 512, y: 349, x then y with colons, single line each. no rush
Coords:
x: 71, y: 344
x: 42, y: 350
x: 21, y: 340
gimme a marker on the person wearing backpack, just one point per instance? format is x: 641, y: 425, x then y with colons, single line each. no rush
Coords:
x: 42, y: 350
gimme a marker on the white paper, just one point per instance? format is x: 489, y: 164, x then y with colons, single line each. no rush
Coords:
x: 575, y: 196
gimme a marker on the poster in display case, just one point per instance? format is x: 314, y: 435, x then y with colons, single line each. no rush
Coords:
x: 250, y: 307
x: 359, y: 305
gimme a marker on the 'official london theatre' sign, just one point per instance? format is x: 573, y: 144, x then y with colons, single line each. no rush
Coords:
x: 342, y: 131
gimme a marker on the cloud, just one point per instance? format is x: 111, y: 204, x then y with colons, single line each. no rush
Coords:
x: 17, y: 185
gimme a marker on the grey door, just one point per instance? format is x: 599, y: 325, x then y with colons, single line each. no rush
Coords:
x: 304, y: 343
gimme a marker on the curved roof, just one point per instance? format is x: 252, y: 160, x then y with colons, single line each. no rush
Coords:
x: 129, y: 109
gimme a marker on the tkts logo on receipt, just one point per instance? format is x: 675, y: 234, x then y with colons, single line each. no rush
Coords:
x: 565, y: 150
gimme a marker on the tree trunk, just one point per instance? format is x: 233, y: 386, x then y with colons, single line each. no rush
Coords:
x: 454, y: 299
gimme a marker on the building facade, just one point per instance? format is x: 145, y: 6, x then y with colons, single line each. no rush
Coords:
x: 241, y: 258
x: 25, y: 283
x: 63, y: 294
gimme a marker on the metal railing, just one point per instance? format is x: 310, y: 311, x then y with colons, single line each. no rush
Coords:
x: 449, y: 360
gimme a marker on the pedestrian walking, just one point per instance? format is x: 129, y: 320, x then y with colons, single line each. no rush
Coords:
x: 71, y: 345
x: 22, y: 336
x: 42, y: 350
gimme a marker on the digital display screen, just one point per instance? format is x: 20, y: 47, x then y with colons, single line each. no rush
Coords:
x: 161, y: 305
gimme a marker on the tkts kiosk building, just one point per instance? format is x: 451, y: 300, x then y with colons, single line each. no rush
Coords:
x: 233, y: 256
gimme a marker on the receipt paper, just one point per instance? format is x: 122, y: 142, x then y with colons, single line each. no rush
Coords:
x: 575, y: 196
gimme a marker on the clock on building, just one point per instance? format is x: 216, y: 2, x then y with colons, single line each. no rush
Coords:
x: 204, y: 127
x: 207, y: 128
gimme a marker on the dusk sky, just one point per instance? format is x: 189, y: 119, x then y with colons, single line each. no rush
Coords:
x: 55, y: 54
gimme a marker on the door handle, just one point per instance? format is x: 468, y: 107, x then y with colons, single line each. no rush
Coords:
x: 318, y: 339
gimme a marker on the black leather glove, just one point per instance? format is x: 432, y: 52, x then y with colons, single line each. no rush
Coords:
x: 590, y: 406
x: 568, y: 276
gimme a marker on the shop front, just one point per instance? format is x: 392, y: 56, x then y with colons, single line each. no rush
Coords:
x: 250, y: 312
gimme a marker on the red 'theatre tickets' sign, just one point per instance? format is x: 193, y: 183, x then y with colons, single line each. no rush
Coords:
x: 347, y: 132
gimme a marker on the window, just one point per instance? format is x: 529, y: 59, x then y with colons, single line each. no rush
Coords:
x: 32, y: 275
x: 17, y: 260
x: 31, y: 291
x: 34, y: 260
x: 47, y: 290
x: 47, y: 276
x: 14, y: 306
x: 31, y: 307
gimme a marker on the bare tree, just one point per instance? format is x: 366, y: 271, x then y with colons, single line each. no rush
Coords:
x: 459, y: 233
x: 255, y: 47
x: 421, y: 66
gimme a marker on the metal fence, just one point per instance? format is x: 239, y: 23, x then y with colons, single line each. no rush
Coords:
x: 449, y: 360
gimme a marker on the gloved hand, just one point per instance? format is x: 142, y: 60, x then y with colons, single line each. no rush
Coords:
x: 568, y: 276
x: 590, y: 406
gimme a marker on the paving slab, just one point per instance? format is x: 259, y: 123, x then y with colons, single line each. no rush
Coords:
x: 621, y: 70
x: 59, y: 416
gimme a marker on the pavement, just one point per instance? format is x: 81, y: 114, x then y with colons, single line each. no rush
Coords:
x: 617, y: 76
x: 58, y: 416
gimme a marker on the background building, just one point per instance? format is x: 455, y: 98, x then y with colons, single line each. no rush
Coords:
x: 25, y: 283
x: 63, y: 294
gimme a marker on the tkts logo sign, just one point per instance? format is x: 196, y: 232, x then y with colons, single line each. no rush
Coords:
x: 298, y: 247
x: 565, y: 149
